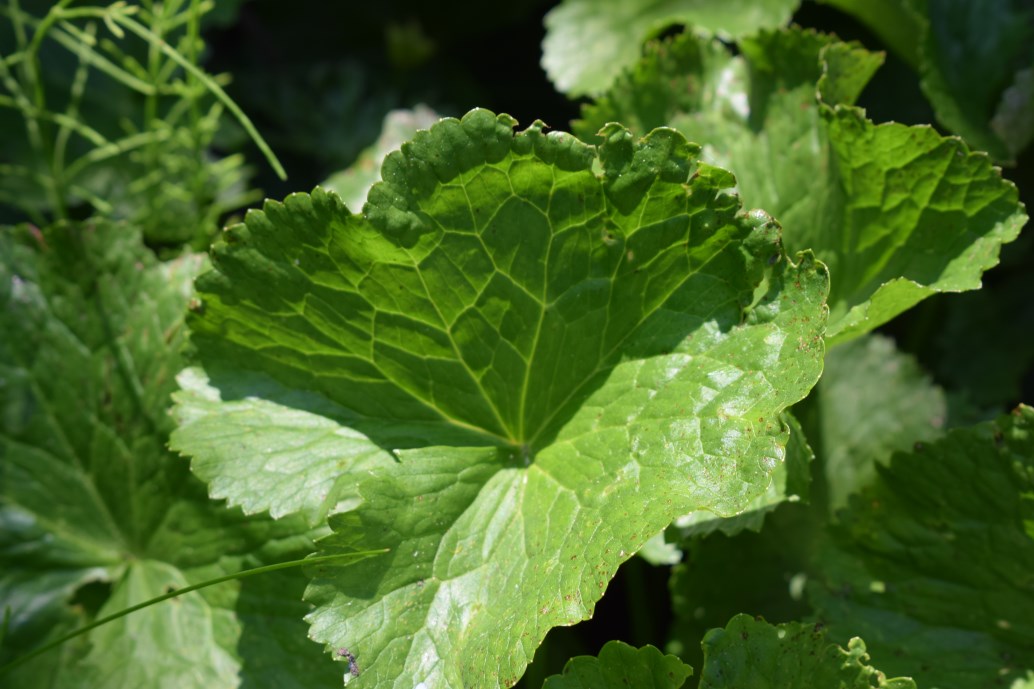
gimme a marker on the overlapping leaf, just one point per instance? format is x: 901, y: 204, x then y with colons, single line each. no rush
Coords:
x: 975, y: 62
x: 898, y: 213
x: 978, y: 71
x: 620, y: 666
x: 353, y: 183
x: 95, y: 513
x: 588, y: 43
x: 872, y: 401
x: 934, y: 564
x: 564, y: 346
x: 752, y: 653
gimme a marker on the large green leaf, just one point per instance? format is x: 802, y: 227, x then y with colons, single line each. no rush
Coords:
x: 95, y: 513
x: 750, y: 653
x: 620, y: 666
x: 532, y: 354
x: 872, y: 401
x: 898, y: 213
x: 589, y: 42
x: 934, y: 563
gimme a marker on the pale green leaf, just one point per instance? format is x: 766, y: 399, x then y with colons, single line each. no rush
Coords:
x: 353, y: 183
x: 933, y: 564
x: 897, y: 213
x: 620, y: 666
x: 589, y: 42
x: 536, y: 353
x: 872, y: 401
x: 1024, y: 682
x: 286, y: 451
x: 158, y: 636
x: 659, y: 551
x: 751, y: 653
x: 791, y: 482
x: 95, y: 513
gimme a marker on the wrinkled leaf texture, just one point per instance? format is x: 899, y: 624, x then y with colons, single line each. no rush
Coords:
x: 521, y: 361
x: 898, y: 213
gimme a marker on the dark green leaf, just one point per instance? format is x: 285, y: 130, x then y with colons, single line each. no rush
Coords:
x: 977, y: 62
x: 620, y: 666
x: 751, y: 653
x: 934, y: 563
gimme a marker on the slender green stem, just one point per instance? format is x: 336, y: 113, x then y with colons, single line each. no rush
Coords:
x: 199, y: 185
x: 18, y: 23
x: 72, y: 115
x: 305, y: 562
x: 39, y: 132
x: 76, y: 41
x: 215, y: 89
x: 143, y: 32
x: 154, y: 77
x: 113, y: 148
x: 73, y: 38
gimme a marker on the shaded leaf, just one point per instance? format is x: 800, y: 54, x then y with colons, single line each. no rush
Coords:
x: 759, y: 573
x: 933, y: 563
x: 896, y: 22
x: 753, y: 653
x: 974, y: 59
x: 994, y: 378
x: 90, y: 499
x: 976, y: 67
x: 619, y: 666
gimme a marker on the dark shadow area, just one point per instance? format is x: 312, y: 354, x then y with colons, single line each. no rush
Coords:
x: 636, y: 609
x: 317, y: 78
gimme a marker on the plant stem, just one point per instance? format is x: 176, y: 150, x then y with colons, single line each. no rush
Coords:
x: 143, y: 32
